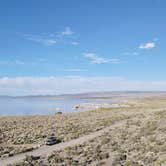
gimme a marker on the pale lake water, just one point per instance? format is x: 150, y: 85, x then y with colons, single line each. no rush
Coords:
x: 35, y: 106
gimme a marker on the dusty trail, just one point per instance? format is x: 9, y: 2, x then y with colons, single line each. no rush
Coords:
x: 46, y: 150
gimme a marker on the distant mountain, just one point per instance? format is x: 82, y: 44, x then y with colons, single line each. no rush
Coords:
x: 88, y: 95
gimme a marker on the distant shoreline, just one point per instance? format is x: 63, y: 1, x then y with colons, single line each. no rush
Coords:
x: 69, y: 103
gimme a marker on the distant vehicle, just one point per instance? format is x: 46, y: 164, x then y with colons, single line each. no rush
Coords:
x: 52, y: 140
x: 59, y: 112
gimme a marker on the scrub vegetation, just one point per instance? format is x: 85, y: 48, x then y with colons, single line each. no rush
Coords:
x: 138, y: 139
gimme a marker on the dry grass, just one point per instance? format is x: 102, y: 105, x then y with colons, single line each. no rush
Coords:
x: 35, y: 129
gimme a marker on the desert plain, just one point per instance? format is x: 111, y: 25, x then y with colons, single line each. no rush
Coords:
x: 130, y: 134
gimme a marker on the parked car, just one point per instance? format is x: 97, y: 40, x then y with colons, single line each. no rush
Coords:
x: 52, y: 140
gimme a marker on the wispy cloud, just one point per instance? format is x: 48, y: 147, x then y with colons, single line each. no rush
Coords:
x: 18, y: 62
x: 116, y: 61
x: 71, y: 70
x: 15, y: 62
x: 66, y: 32
x: 156, y: 39
x: 74, y: 43
x: 131, y: 53
x: 148, y: 45
x: 41, y: 40
x: 50, y: 39
x: 67, y: 35
x: 95, y: 59
x: 72, y: 84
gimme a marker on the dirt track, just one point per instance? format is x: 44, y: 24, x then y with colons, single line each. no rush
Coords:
x: 46, y: 150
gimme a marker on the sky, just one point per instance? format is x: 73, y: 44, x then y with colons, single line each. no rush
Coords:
x: 60, y: 46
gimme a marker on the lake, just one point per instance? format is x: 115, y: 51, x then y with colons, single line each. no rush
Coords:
x: 33, y: 106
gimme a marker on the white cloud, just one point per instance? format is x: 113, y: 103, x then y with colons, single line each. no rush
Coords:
x: 148, y: 45
x: 67, y: 32
x: 94, y: 59
x: 73, y: 84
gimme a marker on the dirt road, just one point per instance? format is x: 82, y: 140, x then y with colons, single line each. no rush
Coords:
x: 46, y: 150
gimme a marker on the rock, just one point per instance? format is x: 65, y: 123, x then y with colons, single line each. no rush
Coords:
x: 5, y: 155
x: 11, y: 153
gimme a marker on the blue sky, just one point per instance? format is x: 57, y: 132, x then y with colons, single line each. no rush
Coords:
x: 119, y: 40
